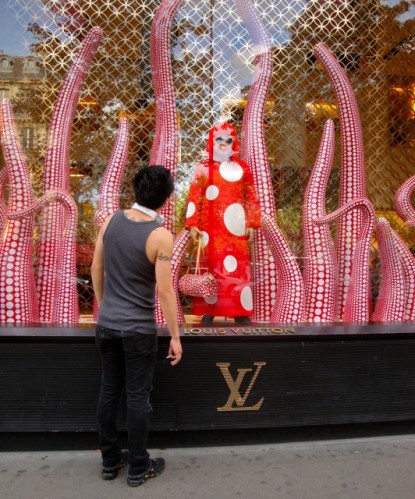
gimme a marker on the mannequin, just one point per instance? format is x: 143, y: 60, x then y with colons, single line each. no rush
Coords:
x: 223, y: 210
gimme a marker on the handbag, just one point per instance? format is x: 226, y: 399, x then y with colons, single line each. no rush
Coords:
x: 202, y: 285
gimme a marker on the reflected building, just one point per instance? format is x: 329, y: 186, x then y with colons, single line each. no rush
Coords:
x: 21, y: 76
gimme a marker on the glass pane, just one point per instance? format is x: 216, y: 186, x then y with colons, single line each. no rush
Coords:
x: 213, y: 66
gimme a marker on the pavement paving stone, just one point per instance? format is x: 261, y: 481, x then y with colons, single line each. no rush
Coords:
x: 360, y: 468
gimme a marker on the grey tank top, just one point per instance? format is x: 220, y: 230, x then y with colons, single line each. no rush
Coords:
x: 130, y: 281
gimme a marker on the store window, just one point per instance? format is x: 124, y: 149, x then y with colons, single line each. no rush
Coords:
x: 213, y: 58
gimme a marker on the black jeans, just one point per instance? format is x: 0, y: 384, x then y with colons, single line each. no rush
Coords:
x: 126, y: 362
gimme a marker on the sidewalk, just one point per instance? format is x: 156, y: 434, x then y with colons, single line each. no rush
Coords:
x: 362, y: 468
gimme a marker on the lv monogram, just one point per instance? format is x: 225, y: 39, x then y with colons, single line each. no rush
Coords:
x: 236, y: 402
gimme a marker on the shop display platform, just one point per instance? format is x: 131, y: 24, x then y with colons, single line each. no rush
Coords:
x: 255, y: 376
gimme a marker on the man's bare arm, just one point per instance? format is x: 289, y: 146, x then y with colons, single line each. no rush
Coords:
x: 97, y: 267
x: 164, y: 257
x: 167, y: 297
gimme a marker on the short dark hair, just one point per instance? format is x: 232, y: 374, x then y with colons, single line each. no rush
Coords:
x: 152, y: 186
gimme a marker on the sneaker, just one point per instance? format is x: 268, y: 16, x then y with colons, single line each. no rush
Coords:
x: 111, y: 472
x: 156, y: 468
x: 207, y: 319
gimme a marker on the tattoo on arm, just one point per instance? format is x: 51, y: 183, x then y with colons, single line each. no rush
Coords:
x: 163, y: 257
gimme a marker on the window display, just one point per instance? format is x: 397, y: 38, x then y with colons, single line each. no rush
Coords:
x: 153, y: 87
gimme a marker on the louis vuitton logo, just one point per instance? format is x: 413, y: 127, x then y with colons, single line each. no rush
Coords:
x: 236, y: 401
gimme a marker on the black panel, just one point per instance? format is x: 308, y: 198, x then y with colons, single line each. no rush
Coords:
x: 50, y: 383
x: 302, y: 384
x: 46, y: 387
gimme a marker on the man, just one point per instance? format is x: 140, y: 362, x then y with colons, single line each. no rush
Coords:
x: 133, y: 253
x: 223, y: 210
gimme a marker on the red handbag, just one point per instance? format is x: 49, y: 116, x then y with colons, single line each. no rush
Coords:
x: 197, y: 283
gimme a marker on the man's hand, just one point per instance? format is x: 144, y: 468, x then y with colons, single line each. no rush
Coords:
x: 249, y: 235
x: 195, y: 233
x: 175, y: 351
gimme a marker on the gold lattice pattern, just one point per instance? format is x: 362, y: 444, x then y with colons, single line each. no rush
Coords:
x: 212, y: 58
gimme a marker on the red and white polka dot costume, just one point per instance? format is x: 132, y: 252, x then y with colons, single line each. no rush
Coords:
x: 222, y: 204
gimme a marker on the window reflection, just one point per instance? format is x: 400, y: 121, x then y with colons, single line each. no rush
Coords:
x: 212, y: 59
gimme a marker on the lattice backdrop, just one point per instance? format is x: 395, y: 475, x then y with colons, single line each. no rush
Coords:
x: 212, y: 61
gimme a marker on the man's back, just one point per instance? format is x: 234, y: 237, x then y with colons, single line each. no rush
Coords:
x: 129, y: 289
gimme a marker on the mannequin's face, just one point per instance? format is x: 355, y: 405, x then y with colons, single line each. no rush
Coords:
x: 222, y: 146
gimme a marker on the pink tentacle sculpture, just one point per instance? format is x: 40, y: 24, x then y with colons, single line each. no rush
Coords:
x: 392, y: 294
x: 56, y: 177
x: 18, y: 302
x: 289, y: 302
x: 320, y: 266
x: 2, y: 217
x: 403, y: 203
x: 165, y: 144
x: 254, y: 153
x: 358, y: 306
x: 3, y: 180
x: 109, y: 192
x: 352, y: 174
x: 181, y: 243
x: 66, y: 295
x: 408, y: 264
